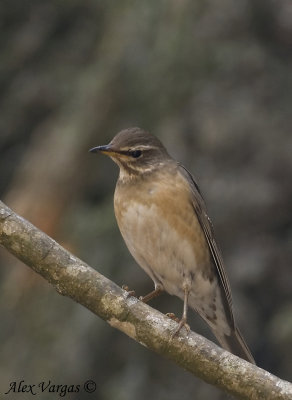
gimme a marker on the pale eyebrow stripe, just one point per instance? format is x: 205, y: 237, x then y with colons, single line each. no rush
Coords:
x: 139, y: 147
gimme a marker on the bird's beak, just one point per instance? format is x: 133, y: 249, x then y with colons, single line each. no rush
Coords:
x: 107, y: 149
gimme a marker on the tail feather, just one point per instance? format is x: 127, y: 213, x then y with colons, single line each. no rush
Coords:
x: 235, y: 344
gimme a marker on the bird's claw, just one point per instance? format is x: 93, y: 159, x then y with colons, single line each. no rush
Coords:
x: 182, y: 324
x: 130, y: 292
x: 172, y: 316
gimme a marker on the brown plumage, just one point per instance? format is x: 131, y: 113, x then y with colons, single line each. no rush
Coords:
x: 163, y: 220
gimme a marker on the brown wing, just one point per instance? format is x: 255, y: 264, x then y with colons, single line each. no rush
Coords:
x: 206, y: 224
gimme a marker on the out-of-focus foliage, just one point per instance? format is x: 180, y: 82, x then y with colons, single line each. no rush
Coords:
x: 213, y: 81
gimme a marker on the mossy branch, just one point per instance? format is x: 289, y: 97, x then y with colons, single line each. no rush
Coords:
x: 73, y: 278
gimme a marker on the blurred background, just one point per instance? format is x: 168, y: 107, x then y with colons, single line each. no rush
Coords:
x: 213, y: 81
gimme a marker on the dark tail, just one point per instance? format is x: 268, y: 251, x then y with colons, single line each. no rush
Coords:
x: 235, y: 344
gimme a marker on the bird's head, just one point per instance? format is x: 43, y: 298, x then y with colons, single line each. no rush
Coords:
x: 135, y: 151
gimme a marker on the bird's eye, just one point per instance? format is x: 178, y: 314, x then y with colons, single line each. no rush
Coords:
x: 136, y: 153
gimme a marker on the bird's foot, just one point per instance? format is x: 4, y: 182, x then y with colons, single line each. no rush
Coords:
x: 173, y: 317
x: 130, y: 292
x: 182, y: 323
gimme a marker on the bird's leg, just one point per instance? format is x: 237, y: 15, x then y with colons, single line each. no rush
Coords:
x: 183, y: 321
x: 155, y: 293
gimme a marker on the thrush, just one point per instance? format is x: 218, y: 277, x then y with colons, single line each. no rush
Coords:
x: 162, y: 217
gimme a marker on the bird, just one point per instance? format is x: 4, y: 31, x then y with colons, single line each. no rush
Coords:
x: 163, y: 220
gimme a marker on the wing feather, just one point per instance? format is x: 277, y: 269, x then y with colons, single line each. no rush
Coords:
x: 206, y: 224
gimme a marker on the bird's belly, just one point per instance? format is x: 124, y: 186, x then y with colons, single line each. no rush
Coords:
x: 166, y: 255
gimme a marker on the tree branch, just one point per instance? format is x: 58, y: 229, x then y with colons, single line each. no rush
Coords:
x: 73, y: 278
